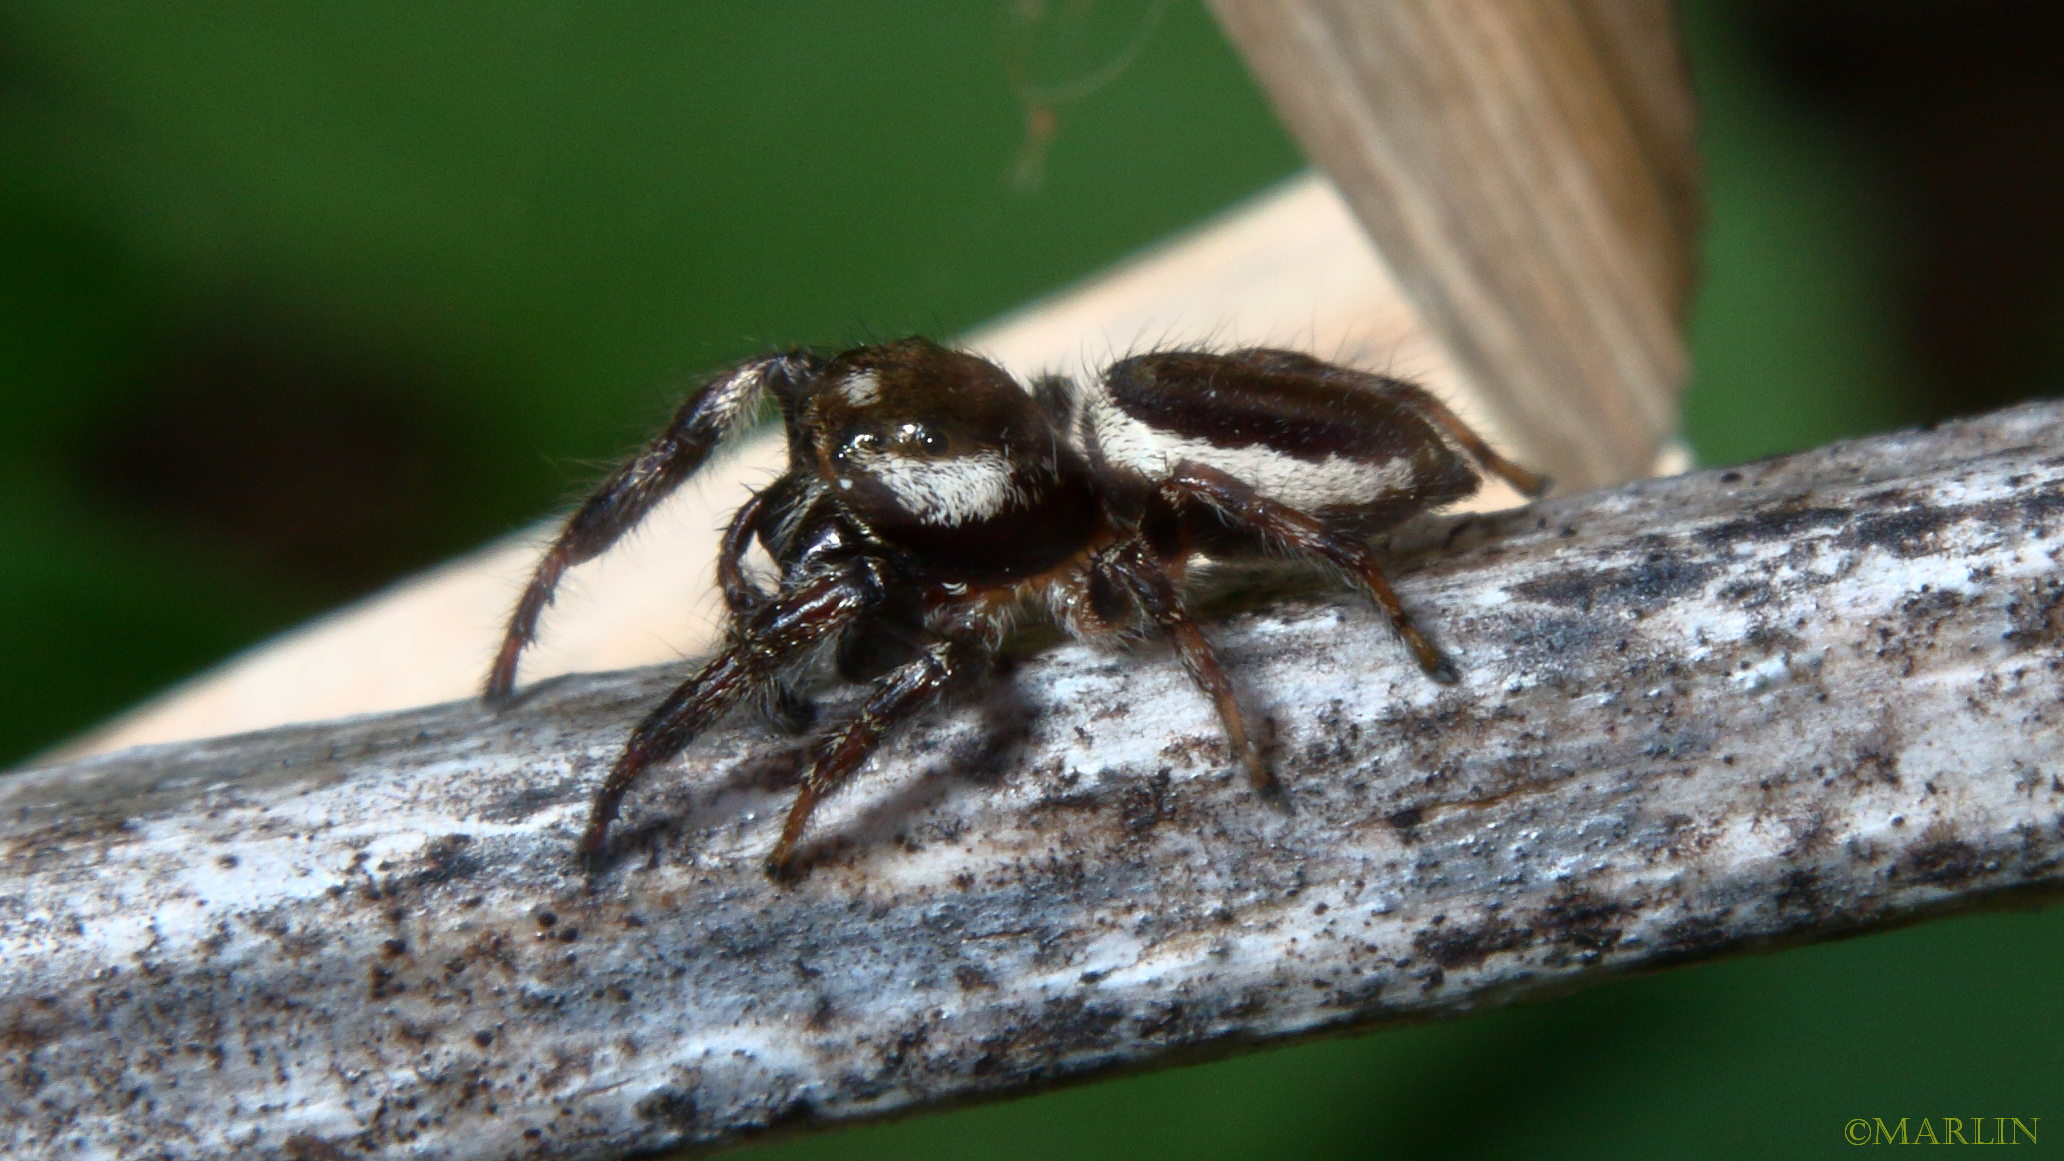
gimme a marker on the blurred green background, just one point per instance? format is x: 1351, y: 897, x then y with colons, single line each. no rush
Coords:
x: 296, y: 299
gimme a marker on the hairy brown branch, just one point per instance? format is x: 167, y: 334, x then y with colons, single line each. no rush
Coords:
x: 1697, y: 715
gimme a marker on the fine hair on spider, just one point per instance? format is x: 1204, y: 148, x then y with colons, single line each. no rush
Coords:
x: 929, y: 498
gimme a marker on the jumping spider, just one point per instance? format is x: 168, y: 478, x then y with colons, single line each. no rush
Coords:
x: 929, y: 499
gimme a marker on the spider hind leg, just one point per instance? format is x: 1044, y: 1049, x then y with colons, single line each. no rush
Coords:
x: 1135, y: 567
x: 1302, y: 534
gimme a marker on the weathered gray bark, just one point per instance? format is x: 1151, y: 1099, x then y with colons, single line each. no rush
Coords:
x: 1698, y: 715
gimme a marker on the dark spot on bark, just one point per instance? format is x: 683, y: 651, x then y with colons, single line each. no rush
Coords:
x: 1904, y: 532
x: 1677, y: 746
x: 31, y: 1023
x: 521, y: 804
x: 1143, y: 805
x: 1166, y: 1021
x: 669, y: 1106
x: 1456, y: 947
x: 1033, y: 1043
x: 1811, y: 834
x: 381, y: 983
x: 1943, y: 861
x: 1749, y: 593
x: 1694, y: 937
x: 2036, y: 616
x: 1661, y: 577
x: 1683, y: 836
x: 1777, y: 523
x: 1774, y: 639
x: 308, y: 1147
x: 797, y: 1110
x: 484, y: 1037
x: 1407, y: 818
x: 1876, y: 763
x: 2038, y: 508
x: 1580, y: 924
x: 1799, y: 892
x: 447, y: 858
x: 1557, y: 635
x: 84, y: 825
x: 1559, y: 588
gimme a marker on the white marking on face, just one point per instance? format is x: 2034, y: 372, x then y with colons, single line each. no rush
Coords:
x: 1301, y: 483
x: 955, y: 490
x: 861, y: 389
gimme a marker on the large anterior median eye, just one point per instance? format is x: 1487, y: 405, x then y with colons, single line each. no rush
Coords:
x: 919, y: 439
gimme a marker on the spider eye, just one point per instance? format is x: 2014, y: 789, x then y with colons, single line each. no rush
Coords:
x: 918, y: 437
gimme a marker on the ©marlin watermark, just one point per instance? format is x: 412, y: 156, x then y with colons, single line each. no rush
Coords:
x: 1942, y: 1131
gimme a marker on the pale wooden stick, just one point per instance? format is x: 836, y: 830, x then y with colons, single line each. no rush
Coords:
x: 1696, y: 716
x: 1527, y: 168
x: 1292, y: 268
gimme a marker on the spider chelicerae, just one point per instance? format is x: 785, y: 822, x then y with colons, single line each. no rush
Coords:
x: 930, y: 500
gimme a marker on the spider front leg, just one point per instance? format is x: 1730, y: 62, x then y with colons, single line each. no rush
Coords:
x: 741, y: 595
x: 1297, y: 532
x: 1136, y: 569
x: 635, y: 489
x: 774, y: 638
x: 898, y: 697
x: 789, y: 710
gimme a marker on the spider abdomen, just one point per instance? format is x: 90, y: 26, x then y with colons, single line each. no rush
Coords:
x: 1356, y: 451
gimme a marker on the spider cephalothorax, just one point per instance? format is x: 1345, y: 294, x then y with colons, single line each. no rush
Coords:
x: 929, y: 500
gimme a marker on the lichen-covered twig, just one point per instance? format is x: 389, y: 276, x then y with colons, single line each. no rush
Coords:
x: 1696, y: 715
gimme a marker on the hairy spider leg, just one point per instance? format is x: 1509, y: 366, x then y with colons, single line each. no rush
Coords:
x: 1135, y: 567
x: 1526, y: 482
x: 1291, y: 530
x: 786, y: 706
x: 773, y: 638
x: 901, y: 695
x: 741, y: 595
x: 720, y: 405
